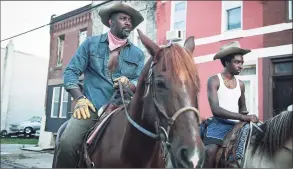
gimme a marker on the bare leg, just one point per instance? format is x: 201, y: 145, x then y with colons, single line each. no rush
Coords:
x: 211, y: 156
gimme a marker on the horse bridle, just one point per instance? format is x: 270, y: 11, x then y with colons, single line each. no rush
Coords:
x: 163, y: 134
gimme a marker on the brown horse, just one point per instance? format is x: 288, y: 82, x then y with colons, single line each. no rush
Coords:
x: 161, y: 116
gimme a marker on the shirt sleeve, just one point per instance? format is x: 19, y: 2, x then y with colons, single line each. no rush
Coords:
x: 76, y: 66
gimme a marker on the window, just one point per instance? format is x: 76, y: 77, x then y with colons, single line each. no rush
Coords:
x: 63, y: 104
x: 283, y: 68
x: 234, y: 18
x: 35, y: 119
x: 251, y: 70
x: 180, y: 7
x: 60, y: 98
x: 179, y: 25
x: 60, y: 48
x: 55, y: 102
x: 178, y: 15
x: 290, y: 6
x: 231, y: 15
x: 82, y: 35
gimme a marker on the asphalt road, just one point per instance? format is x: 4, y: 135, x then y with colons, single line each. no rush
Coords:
x: 6, y: 164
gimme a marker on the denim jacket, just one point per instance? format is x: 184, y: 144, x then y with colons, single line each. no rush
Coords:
x: 91, y: 59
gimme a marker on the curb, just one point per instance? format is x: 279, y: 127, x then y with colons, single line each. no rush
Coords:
x: 49, y: 151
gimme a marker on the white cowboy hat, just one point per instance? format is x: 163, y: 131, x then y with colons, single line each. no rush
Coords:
x: 106, y: 12
x: 231, y: 48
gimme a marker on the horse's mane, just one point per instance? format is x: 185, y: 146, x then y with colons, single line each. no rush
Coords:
x: 180, y: 61
x: 276, y: 132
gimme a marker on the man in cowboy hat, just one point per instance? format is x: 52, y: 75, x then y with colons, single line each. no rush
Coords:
x: 226, y: 98
x: 100, y: 58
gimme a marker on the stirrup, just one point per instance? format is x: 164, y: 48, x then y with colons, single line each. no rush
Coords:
x: 100, y: 111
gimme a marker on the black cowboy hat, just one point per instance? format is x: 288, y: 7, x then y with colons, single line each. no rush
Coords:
x: 106, y: 12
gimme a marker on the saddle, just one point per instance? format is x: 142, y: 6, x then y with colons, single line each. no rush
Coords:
x: 94, y: 135
x: 229, y: 148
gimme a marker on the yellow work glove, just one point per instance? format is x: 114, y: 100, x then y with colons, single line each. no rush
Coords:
x: 82, y: 108
x: 124, y: 80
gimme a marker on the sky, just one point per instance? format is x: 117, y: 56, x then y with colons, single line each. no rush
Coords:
x: 20, y: 16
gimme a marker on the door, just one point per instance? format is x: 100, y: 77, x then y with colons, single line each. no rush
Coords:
x: 250, y: 93
x: 282, y: 93
x: 249, y: 78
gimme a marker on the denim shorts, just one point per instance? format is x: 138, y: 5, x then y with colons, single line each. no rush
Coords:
x: 214, y: 130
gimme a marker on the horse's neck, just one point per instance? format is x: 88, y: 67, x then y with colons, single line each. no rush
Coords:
x: 282, y: 159
x: 136, y: 144
x: 134, y: 140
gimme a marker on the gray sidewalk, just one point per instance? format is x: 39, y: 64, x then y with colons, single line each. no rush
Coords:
x: 27, y: 156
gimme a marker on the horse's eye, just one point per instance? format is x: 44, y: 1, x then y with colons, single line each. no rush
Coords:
x: 160, y: 84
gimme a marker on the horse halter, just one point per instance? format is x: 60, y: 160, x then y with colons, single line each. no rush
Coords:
x: 170, y: 120
x: 163, y: 134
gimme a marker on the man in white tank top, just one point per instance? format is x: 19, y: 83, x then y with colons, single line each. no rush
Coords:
x: 226, y: 98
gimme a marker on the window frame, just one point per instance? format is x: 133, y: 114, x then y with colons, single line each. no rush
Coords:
x: 275, y: 61
x: 173, y: 5
x: 228, y: 5
x: 289, y: 10
x: 61, y: 102
x: 53, y: 103
x: 59, y: 62
x: 228, y: 10
x: 79, y: 33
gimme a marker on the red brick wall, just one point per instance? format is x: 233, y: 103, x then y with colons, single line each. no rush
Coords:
x: 203, y: 18
x: 203, y: 23
x: 70, y: 28
x: 274, y: 12
x: 251, y: 42
x: 252, y: 14
x: 163, y: 13
x: 205, y: 71
x: 278, y: 38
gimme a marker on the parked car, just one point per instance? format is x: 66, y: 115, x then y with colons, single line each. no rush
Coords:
x: 27, y: 128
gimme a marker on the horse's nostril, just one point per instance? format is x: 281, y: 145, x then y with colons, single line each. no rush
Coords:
x: 183, y: 157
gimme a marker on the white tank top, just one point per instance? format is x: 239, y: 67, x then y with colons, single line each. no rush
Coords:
x: 228, y: 98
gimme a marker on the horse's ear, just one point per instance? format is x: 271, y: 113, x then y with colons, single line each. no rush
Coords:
x: 151, y: 46
x: 189, y: 44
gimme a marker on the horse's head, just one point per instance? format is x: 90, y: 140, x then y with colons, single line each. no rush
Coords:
x: 171, y: 85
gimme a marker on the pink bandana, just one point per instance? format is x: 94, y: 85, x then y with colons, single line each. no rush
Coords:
x: 115, y: 42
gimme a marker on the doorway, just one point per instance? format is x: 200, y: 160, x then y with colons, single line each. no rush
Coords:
x: 248, y: 76
x: 282, y: 86
x: 282, y: 93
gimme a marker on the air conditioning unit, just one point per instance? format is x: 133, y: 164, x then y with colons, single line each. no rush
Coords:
x: 174, y: 35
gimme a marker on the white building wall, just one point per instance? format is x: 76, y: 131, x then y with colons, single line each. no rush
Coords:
x: 23, y: 95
